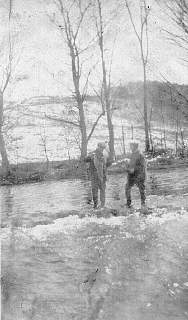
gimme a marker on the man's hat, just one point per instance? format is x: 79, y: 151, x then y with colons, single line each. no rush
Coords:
x: 134, y: 142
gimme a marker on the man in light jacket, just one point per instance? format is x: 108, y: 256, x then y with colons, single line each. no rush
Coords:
x: 136, y: 169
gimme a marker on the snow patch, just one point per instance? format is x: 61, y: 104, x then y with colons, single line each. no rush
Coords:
x: 162, y: 215
x: 65, y: 225
x: 72, y: 224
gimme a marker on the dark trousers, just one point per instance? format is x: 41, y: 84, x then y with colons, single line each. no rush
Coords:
x: 140, y: 183
x: 97, y: 185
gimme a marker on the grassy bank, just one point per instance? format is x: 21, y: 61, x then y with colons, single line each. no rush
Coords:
x: 74, y: 169
x: 40, y: 171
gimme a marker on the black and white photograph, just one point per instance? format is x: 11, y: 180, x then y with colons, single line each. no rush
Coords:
x: 94, y: 159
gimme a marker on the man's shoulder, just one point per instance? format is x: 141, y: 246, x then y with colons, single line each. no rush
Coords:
x: 89, y: 157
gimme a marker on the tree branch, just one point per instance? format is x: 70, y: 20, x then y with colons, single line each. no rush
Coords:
x: 132, y: 21
x: 94, y: 126
x: 62, y: 120
x: 142, y: 115
x: 10, y: 56
x: 170, y: 85
x: 81, y: 19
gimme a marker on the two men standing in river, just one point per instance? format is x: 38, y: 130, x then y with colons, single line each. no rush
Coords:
x: 136, y: 173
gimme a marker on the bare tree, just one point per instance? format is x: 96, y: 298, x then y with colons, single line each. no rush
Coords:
x: 6, y: 71
x: 177, y: 33
x: 163, y: 122
x: 3, y: 151
x: 10, y: 56
x: 44, y: 142
x: 70, y: 138
x: 70, y: 29
x: 106, y: 81
x: 142, y: 37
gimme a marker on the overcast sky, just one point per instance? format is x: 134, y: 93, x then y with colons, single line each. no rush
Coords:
x: 44, y: 57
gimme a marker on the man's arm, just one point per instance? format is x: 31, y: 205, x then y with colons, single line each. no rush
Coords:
x: 108, y: 163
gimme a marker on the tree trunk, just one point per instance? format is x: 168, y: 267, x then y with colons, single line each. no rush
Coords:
x: 79, y: 100
x: 83, y: 131
x: 132, y: 132
x: 164, y: 129
x: 182, y: 142
x: 146, y: 126
x: 5, y: 162
x: 123, y: 139
x: 106, y: 87
x: 108, y: 108
x: 177, y: 128
x: 111, y: 135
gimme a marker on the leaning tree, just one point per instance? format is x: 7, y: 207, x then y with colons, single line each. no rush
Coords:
x: 70, y: 21
x: 141, y: 33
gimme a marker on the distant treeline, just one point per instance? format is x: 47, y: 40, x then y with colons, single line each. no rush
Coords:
x: 170, y: 95
x: 160, y: 94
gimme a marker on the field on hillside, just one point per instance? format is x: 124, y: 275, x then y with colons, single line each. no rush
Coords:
x: 33, y: 134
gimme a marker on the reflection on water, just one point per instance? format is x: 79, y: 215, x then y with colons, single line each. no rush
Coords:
x: 7, y: 199
x: 62, y: 262
x: 43, y: 202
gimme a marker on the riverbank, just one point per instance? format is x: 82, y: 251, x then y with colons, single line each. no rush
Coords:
x: 40, y: 171
x: 73, y: 169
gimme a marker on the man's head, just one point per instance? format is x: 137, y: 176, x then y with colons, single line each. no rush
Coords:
x: 134, y: 145
x: 101, y: 146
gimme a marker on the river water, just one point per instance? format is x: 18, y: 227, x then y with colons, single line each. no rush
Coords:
x: 62, y: 260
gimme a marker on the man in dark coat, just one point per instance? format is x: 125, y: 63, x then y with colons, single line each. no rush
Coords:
x: 136, y: 169
x: 98, y: 172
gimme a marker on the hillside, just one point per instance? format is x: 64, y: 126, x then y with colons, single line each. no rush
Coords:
x: 32, y: 132
x: 161, y: 96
